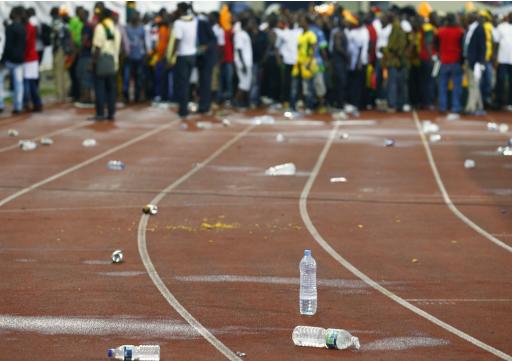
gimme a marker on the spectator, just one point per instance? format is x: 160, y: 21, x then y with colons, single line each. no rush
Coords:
x: 31, y: 68
x: 474, y: 53
x: 75, y: 29
x: 503, y: 37
x: 2, y: 66
x: 221, y: 41
x: 243, y: 63
x: 427, y: 56
x: 133, y: 66
x: 84, y: 65
x: 259, y: 40
x: 206, y: 60
x: 106, y: 48
x: 487, y: 75
x: 341, y: 59
x: 225, y: 91
x: 450, y: 54
x: 14, y: 55
x: 358, y: 39
x: 61, y: 48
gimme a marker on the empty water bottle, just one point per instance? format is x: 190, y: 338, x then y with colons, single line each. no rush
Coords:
x: 281, y: 169
x: 469, y: 163
x: 325, y: 338
x: 308, y: 296
x: 89, y: 142
x: 115, y: 165
x: 130, y: 352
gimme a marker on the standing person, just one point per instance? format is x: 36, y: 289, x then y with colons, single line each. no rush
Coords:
x: 341, y: 59
x: 206, y: 60
x: 243, y: 63
x: 504, y: 40
x: 221, y: 41
x: 474, y: 53
x: 106, y: 44
x: 185, y: 33
x: 382, y: 28
x: 84, y: 65
x: 427, y: 57
x: 2, y: 66
x: 394, y: 59
x: 450, y: 54
x: 14, y: 54
x: 358, y: 39
x: 61, y: 40
x: 31, y: 68
x: 259, y: 41
x: 225, y: 91
x: 271, y: 86
x: 487, y: 76
x: 319, y: 84
x: 133, y: 65
x: 305, y: 68
x: 75, y: 29
x: 32, y: 18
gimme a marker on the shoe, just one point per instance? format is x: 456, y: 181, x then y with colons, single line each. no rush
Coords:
x: 111, y: 118
x: 38, y: 109
x: 452, y: 116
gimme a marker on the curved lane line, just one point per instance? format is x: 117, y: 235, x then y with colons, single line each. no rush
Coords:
x: 84, y: 163
x: 51, y: 134
x: 446, y: 197
x: 150, y: 268
x: 346, y: 264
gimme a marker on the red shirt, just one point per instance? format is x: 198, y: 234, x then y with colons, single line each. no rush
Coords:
x: 30, y: 46
x: 372, y: 55
x: 229, y: 54
x: 450, y: 44
x: 427, y: 35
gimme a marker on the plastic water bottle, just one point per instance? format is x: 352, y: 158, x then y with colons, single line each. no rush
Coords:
x: 131, y: 352
x: 281, y: 169
x: 115, y: 165
x: 469, y: 163
x: 308, y: 296
x: 326, y: 338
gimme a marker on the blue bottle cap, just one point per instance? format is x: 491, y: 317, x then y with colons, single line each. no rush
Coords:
x: 110, y: 352
x: 307, y: 252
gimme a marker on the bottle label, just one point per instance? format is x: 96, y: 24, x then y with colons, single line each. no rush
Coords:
x: 128, y: 354
x: 330, y: 339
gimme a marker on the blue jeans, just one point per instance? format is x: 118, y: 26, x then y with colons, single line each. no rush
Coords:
x: 427, y: 85
x: 225, y: 91
x: 504, y: 72
x: 307, y: 89
x: 486, y: 82
x: 2, y: 76
x: 132, y: 69
x: 396, y: 87
x: 447, y: 72
x: 16, y: 72
x: 255, y: 85
x: 182, y: 71
x: 31, y: 92
x: 105, y: 87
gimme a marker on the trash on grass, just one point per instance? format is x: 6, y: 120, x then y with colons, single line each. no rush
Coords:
x: 435, y: 138
x: 330, y: 338
x: 46, y: 141
x: 338, y: 180
x: 89, y: 142
x: 389, y: 143
x: 264, y: 119
x: 150, y: 209
x: 115, y: 165
x: 117, y: 256
x: 469, y: 163
x: 281, y: 169
x: 27, y: 145
x: 13, y: 133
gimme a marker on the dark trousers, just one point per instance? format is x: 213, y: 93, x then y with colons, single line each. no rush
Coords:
x: 105, y: 87
x: 396, y: 87
x: 357, y: 81
x: 182, y: 71
x: 205, y: 66
x: 271, y: 84
x: 427, y: 84
x: 286, y: 89
x: 31, y: 92
x: 132, y: 70
x: 504, y: 71
x: 75, y: 80
x: 340, y: 76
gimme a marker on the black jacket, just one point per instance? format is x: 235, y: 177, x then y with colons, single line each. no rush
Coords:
x: 475, y: 52
x: 15, y: 41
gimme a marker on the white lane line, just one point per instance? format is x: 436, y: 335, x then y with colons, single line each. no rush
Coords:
x: 84, y: 163
x: 342, y: 261
x: 459, y: 299
x: 446, y: 197
x: 152, y: 272
x: 51, y: 134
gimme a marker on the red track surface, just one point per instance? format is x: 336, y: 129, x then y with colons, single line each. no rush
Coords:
x: 62, y: 299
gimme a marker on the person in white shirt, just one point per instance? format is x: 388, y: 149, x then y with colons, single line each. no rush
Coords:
x: 185, y: 33
x: 243, y: 63
x: 383, y: 30
x: 221, y: 42
x: 2, y: 68
x: 503, y: 38
x: 358, y: 38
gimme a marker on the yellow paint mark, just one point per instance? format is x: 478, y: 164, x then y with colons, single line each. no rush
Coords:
x: 414, y: 260
x: 218, y: 225
x: 397, y: 220
x: 453, y: 241
x: 360, y: 226
x: 180, y: 227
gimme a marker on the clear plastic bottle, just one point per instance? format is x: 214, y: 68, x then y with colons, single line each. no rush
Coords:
x: 115, y: 165
x: 320, y: 337
x: 281, y: 169
x: 308, y: 295
x: 131, y: 352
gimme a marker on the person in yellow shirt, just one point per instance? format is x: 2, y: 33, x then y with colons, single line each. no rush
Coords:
x: 306, y: 67
x: 487, y: 75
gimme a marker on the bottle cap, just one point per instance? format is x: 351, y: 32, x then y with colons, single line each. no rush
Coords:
x: 307, y: 252
x: 110, y: 352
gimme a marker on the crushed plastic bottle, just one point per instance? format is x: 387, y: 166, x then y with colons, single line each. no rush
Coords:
x: 46, y: 141
x: 338, y: 180
x: 280, y: 138
x: 507, y: 150
x: 434, y: 138
x: 503, y: 128
x: 12, y: 133
x: 27, y: 145
x: 469, y: 163
x: 150, y: 209
x: 492, y: 126
x: 89, y: 142
x: 115, y: 165
x: 344, y: 136
x: 264, y: 119
x: 389, y: 143
x: 308, y: 297
x: 429, y: 127
x: 226, y: 122
x: 132, y: 353
x: 117, y: 256
x: 281, y: 169
x: 324, y: 338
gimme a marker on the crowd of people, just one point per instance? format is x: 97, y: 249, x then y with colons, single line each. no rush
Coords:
x: 313, y: 59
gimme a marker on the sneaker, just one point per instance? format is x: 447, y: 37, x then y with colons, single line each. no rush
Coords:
x: 452, y: 116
